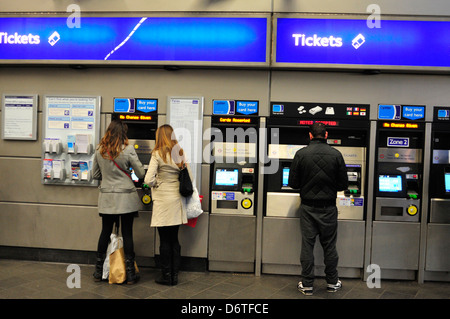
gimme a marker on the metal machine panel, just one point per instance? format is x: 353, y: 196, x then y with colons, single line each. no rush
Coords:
x: 281, y: 241
x: 287, y: 205
x: 350, y: 208
x: 231, y: 240
x: 395, y: 245
x: 283, y: 204
x: 228, y: 202
x: 352, y: 154
x: 407, y: 155
x: 440, y: 211
x: 441, y: 156
x: 397, y: 209
x: 285, y: 233
x: 350, y: 245
x: 438, y: 246
x: 143, y: 149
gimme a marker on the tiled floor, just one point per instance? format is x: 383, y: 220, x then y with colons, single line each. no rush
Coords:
x: 41, y: 280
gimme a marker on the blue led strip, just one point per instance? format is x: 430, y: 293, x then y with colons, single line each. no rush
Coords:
x: 352, y: 42
x: 201, y: 39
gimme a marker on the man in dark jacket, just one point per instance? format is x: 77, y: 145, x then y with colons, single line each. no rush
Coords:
x: 319, y: 172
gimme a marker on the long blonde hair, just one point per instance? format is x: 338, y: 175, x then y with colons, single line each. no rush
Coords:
x: 167, y: 145
x: 111, y: 143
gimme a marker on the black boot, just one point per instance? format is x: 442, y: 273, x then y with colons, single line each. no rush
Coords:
x: 132, y: 276
x: 166, y: 269
x: 176, y: 261
x: 98, y: 273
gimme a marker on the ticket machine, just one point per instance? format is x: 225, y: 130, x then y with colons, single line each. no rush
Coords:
x: 233, y: 185
x: 437, y: 260
x: 348, y: 131
x: 232, y: 189
x: 140, y: 115
x: 398, y: 189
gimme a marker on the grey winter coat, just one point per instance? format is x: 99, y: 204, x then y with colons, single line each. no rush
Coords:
x: 118, y: 194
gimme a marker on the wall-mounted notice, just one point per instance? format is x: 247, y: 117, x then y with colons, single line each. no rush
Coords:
x: 185, y: 115
x: 19, y: 117
x: 71, y: 133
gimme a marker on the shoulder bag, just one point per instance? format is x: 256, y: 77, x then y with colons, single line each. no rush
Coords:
x: 186, y: 188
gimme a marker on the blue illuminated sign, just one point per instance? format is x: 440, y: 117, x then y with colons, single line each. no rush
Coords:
x: 413, y: 112
x: 389, y: 112
x: 247, y: 107
x: 401, y: 112
x: 351, y: 42
x: 124, y: 105
x: 199, y: 39
x: 223, y: 107
x: 232, y: 107
x: 146, y: 105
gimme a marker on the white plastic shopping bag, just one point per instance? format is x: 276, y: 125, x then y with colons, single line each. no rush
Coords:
x: 193, y: 205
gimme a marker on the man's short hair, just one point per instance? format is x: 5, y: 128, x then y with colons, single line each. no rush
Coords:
x: 318, y: 130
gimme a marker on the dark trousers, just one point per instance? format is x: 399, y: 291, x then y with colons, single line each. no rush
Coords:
x: 169, y: 249
x: 320, y: 222
x: 126, y: 227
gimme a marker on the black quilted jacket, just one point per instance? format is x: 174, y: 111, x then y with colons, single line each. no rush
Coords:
x: 318, y: 171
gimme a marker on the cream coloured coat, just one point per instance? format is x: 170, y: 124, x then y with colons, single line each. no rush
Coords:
x: 163, y: 179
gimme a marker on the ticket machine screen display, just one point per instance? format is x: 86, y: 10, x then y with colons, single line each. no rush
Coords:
x: 390, y: 183
x: 285, y: 176
x: 227, y: 177
x: 447, y: 182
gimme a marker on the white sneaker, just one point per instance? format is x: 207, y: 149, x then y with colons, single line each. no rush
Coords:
x: 333, y: 288
x: 308, y: 291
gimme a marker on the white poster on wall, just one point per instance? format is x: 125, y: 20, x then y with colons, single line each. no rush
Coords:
x: 19, y: 117
x: 185, y: 115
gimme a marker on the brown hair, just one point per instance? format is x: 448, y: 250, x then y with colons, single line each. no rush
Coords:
x: 167, y: 144
x: 111, y: 143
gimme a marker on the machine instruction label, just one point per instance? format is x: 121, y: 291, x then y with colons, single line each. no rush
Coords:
x: 223, y: 195
x: 351, y: 201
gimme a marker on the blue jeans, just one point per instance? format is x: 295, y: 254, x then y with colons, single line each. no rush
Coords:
x: 322, y: 222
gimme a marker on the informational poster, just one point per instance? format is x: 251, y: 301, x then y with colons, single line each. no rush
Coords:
x: 71, y: 133
x: 19, y: 117
x: 185, y: 115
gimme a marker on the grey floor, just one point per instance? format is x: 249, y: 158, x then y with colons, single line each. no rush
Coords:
x: 42, y: 280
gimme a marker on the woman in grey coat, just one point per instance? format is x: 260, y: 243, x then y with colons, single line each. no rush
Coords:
x: 118, y: 197
x: 168, y: 212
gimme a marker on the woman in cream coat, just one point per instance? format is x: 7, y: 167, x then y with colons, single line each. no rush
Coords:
x: 168, y: 212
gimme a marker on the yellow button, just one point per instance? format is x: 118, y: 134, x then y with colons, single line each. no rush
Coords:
x: 412, y: 210
x: 136, y: 146
x: 146, y: 199
x: 246, y: 203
